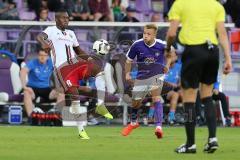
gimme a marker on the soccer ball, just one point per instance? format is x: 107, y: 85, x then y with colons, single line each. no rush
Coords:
x: 101, y: 47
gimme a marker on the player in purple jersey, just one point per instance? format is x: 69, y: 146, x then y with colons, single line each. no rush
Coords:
x: 151, y: 64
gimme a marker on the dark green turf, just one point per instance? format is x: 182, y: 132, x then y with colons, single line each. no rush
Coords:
x: 45, y: 143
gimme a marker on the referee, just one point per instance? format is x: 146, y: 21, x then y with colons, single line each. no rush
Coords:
x: 201, y: 22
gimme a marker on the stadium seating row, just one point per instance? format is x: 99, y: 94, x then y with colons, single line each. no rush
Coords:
x: 234, y: 36
x: 143, y: 7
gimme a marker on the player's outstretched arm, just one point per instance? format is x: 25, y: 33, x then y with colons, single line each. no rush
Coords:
x: 81, y: 54
x: 42, y: 38
x: 128, y: 67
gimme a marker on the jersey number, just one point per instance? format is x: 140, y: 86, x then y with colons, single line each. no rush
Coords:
x: 69, y: 55
x: 69, y: 83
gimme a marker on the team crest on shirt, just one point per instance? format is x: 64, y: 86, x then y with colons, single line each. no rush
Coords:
x: 149, y: 60
x: 157, y: 53
x: 37, y: 70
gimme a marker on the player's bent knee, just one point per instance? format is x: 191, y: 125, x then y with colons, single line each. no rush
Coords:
x: 61, y: 95
x: 27, y: 93
x: 175, y: 96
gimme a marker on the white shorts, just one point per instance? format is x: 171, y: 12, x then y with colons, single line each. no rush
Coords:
x: 143, y: 87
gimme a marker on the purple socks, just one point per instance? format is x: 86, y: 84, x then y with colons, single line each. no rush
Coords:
x: 158, y: 113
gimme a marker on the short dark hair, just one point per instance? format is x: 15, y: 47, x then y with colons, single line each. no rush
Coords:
x: 42, y: 9
x: 40, y: 49
x: 130, y: 9
x: 62, y: 10
x: 14, y: 3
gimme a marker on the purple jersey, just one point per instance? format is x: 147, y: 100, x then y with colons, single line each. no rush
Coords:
x: 150, y: 59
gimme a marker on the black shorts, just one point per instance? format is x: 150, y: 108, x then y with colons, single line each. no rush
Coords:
x: 199, y: 64
x: 43, y: 93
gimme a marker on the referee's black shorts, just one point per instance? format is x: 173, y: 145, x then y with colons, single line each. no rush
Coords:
x: 199, y: 64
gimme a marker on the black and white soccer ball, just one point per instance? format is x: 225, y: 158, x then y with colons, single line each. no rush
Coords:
x: 101, y: 47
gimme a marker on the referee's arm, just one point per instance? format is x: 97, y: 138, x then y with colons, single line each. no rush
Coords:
x: 171, y: 34
x: 223, y: 39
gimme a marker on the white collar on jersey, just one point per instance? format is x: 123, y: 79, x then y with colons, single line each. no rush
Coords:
x: 63, y: 32
x: 151, y: 44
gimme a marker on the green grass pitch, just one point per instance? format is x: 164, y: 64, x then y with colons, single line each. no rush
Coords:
x: 106, y: 143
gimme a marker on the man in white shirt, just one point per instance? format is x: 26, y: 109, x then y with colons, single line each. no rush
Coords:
x: 72, y: 64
